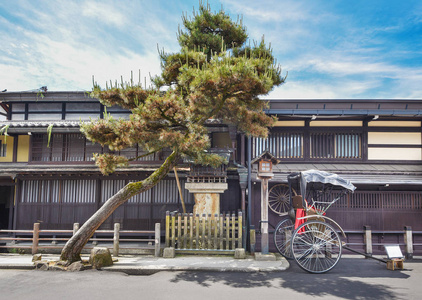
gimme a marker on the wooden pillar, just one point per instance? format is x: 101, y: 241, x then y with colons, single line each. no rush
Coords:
x: 252, y: 235
x: 408, y: 240
x: 35, y: 238
x: 368, y: 240
x: 158, y: 239
x: 116, y: 239
x: 264, y: 216
x: 167, y: 240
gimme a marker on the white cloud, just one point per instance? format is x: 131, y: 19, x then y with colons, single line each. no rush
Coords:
x: 322, y: 90
x: 65, y: 50
x: 327, y: 53
x: 350, y: 67
x: 64, y: 66
x: 273, y: 11
x: 103, y: 13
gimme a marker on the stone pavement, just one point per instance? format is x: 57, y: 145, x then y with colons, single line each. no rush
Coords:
x: 146, y: 265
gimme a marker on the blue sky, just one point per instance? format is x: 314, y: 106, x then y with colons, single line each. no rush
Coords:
x: 330, y: 49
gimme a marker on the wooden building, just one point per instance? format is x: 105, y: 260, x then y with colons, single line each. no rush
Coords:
x: 55, y: 182
x: 377, y: 144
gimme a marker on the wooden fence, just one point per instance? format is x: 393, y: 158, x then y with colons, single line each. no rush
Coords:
x: 33, y: 242
x: 204, y: 233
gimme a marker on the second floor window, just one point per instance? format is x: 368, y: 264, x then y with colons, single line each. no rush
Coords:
x: 333, y: 145
x: 324, y: 145
x: 74, y: 147
x: 280, y: 144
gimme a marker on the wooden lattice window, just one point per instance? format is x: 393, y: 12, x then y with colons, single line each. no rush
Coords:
x: 280, y: 144
x: 331, y: 145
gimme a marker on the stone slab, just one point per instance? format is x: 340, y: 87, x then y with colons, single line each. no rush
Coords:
x: 265, y: 257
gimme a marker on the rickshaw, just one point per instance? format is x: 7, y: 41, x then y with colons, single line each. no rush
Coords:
x: 306, y: 234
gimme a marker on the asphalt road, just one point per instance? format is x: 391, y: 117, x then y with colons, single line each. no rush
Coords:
x: 353, y: 278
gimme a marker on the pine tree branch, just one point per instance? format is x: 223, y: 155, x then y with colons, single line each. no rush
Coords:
x: 144, y: 155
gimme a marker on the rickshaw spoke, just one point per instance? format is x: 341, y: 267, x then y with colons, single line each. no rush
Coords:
x: 316, y: 247
x: 282, y: 237
x: 278, y: 198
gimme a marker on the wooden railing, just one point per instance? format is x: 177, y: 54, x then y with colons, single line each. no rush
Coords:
x: 33, y: 242
x: 204, y: 233
x: 373, y: 241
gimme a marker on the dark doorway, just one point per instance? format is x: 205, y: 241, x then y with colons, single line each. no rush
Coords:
x: 5, y: 193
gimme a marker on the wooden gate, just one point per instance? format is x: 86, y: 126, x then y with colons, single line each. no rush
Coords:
x: 204, y: 233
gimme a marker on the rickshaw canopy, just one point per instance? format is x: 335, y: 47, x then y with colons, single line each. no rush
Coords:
x: 318, y: 179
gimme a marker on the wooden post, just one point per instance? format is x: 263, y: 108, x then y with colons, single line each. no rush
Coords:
x: 35, y: 238
x: 179, y: 231
x: 75, y: 228
x: 227, y: 231
x: 215, y: 225
x: 408, y: 240
x: 264, y: 216
x: 221, y: 227
x: 157, y: 239
x: 180, y: 190
x: 197, y: 228
x: 368, y: 240
x: 191, y: 231
x: 167, y: 229
x: 252, y: 238
x: 185, y: 231
x: 209, y: 236
x: 173, y: 230
x: 116, y: 238
x: 233, y: 231
x: 240, y: 230
x: 204, y: 218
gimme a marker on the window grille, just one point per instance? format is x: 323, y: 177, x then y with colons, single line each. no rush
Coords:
x: 280, y: 144
x: 75, y: 147
x: 329, y: 145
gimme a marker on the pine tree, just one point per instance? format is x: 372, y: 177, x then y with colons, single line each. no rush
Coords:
x: 215, y: 75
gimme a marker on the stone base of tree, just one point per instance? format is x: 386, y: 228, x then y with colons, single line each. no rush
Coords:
x: 36, y: 257
x: 44, y: 265
x: 100, y: 257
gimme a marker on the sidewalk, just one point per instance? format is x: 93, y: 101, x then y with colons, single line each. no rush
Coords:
x: 146, y: 265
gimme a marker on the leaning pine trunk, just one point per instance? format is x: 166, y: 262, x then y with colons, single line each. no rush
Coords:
x: 73, y: 248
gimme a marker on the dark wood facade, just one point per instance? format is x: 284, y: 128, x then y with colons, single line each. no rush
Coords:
x: 53, y: 180
x: 374, y: 143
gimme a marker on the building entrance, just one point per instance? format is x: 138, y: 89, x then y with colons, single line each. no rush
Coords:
x: 5, y: 194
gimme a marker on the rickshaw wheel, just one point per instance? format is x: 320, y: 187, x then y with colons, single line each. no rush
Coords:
x: 283, y: 236
x: 316, y: 247
x: 278, y: 199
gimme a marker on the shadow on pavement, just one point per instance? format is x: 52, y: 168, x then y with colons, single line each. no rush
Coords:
x: 350, y: 279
